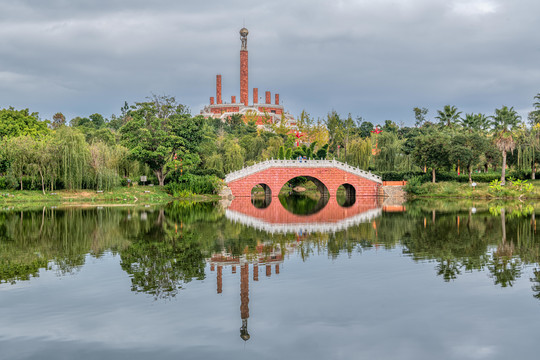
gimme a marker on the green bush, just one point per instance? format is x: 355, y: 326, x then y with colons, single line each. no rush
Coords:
x: 189, y: 183
x: 4, y: 183
x: 452, y: 176
x: 414, y: 186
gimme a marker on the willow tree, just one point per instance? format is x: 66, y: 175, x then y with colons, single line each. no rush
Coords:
x: 19, y: 153
x: 388, y: 147
x: 359, y: 153
x: 233, y: 156
x: 74, y: 156
x: 505, y: 121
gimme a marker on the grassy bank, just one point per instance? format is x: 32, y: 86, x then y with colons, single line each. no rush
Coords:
x: 123, y: 195
x: 481, y: 191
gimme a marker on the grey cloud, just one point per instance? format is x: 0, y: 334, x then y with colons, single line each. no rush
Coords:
x: 377, y: 60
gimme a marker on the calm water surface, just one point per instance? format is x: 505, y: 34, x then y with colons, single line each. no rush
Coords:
x: 427, y: 280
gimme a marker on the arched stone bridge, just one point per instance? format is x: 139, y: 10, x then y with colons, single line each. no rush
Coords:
x: 328, y: 175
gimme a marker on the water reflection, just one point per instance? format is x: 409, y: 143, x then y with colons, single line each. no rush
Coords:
x: 164, y: 248
x: 301, y: 204
x: 263, y: 255
x: 311, y: 217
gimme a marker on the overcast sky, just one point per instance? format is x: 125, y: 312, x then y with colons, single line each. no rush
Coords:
x: 375, y: 59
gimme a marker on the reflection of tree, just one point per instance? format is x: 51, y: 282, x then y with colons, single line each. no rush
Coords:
x: 536, y: 283
x: 505, y: 270
x: 160, y: 264
x: 455, y: 246
x: 57, y: 239
x: 163, y: 250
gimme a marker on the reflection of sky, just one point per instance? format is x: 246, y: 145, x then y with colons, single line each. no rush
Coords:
x: 376, y: 305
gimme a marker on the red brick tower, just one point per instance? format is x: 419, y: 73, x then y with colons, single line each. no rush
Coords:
x: 244, y: 97
x: 218, y: 89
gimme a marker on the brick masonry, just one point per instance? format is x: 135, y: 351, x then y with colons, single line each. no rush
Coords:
x: 277, y: 177
x: 244, y: 82
x: 218, y: 89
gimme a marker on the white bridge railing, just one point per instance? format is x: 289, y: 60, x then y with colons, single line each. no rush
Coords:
x: 235, y: 175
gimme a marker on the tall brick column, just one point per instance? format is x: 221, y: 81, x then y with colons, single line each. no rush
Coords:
x: 268, y: 97
x: 255, y: 95
x: 218, y: 89
x: 244, y: 97
x: 277, y: 99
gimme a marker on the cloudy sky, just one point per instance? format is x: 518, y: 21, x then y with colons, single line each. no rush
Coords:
x: 375, y: 59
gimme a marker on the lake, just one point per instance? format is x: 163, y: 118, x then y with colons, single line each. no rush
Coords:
x: 292, y: 279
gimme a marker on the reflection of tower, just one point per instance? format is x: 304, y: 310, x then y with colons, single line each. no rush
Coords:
x: 244, y: 67
x: 244, y: 299
x: 262, y: 255
x: 219, y: 279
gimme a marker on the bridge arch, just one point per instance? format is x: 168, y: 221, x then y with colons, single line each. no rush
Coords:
x: 348, y: 197
x: 259, y: 201
x: 321, y: 187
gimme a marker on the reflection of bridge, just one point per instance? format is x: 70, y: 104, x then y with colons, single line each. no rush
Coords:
x: 328, y: 175
x: 276, y: 219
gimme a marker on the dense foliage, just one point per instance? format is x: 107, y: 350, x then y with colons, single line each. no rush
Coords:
x: 161, y: 140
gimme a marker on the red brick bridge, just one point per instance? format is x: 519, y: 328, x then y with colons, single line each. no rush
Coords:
x: 328, y: 175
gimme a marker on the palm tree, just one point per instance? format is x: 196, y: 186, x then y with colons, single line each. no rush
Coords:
x: 504, y: 121
x: 469, y: 122
x: 537, y: 103
x: 482, y: 121
x: 448, y: 115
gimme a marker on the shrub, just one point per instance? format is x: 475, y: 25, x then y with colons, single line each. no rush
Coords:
x: 207, y: 184
x: 4, y: 183
x: 414, y: 186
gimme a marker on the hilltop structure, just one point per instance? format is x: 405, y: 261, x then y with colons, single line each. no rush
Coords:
x: 263, y: 113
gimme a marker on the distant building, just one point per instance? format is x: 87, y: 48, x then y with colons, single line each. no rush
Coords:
x: 261, y: 112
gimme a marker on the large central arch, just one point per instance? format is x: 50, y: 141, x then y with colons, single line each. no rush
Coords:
x: 321, y: 187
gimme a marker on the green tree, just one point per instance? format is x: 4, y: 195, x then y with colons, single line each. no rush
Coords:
x: 359, y: 154
x: 534, y: 116
x: 466, y: 149
x: 58, y: 120
x: 74, y: 156
x: 158, y: 130
x: 420, y: 116
x: 448, y: 116
x: 233, y: 157
x: 365, y: 129
x: 475, y: 122
x: 432, y: 151
x: 505, y: 121
x: 15, y: 123
x: 97, y: 121
x: 335, y: 128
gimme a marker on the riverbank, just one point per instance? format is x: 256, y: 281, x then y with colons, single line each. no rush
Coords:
x: 480, y: 191
x: 123, y: 195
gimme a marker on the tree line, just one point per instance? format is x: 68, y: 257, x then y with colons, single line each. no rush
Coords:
x: 160, y: 138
